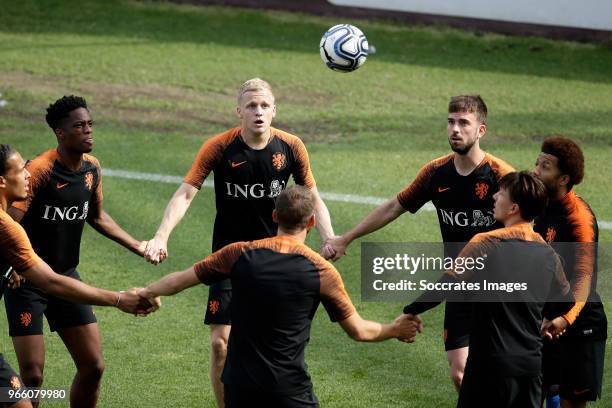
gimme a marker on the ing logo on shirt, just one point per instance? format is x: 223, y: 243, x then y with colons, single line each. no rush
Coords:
x: 279, y: 161
x: 481, y: 190
x: 89, y: 180
x: 550, y: 234
x: 213, y: 306
x: 25, y: 318
x: 473, y: 218
x: 15, y: 383
x: 255, y: 190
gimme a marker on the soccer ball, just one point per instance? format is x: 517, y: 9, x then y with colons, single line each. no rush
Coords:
x: 344, y: 48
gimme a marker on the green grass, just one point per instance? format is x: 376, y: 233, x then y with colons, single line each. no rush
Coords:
x: 161, y: 78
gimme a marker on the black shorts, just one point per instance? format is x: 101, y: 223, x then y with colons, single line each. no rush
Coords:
x: 9, y: 380
x: 26, y: 305
x: 576, y: 365
x: 236, y: 397
x: 489, y: 390
x: 218, y: 305
x: 457, y: 323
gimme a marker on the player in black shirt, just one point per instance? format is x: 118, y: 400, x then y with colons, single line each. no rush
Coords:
x: 251, y: 164
x: 504, y: 362
x: 461, y: 186
x: 575, y: 363
x: 17, y: 252
x: 66, y: 192
x: 277, y: 285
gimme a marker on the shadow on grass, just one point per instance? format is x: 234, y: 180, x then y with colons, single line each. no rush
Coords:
x: 162, y: 22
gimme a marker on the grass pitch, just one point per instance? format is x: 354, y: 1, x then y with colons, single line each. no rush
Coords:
x: 161, y: 78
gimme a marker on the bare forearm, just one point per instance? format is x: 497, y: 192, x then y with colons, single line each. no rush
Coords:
x: 173, y: 283
x: 366, y: 330
x: 69, y: 289
x: 175, y: 211
x: 106, y: 226
x: 381, y: 216
x: 374, y: 331
x: 404, y: 327
x: 323, y: 220
x: 79, y: 292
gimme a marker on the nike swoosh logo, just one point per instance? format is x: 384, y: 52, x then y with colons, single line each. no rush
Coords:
x: 443, y: 189
x: 60, y: 186
x: 234, y: 165
x: 576, y: 392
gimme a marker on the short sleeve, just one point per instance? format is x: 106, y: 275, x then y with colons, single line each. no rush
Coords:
x: 334, y: 297
x: 302, y: 173
x: 500, y: 167
x: 15, y: 247
x: 209, y: 155
x: 218, y: 265
x: 413, y: 197
x: 95, y: 184
x: 478, y: 247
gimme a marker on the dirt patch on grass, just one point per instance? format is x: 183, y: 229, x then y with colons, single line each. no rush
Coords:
x: 320, y: 131
x: 152, y: 107
x: 304, y: 97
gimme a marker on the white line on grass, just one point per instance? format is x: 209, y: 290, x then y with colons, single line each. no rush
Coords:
x: 343, y: 198
x: 607, y: 225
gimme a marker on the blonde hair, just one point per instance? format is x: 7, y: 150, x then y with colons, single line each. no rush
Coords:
x: 255, y: 84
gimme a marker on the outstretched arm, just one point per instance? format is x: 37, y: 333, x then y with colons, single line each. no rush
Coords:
x: 105, y: 225
x: 171, y: 284
x: 404, y: 328
x: 381, y: 216
x: 157, y: 248
x: 42, y: 276
x: 429, y: 299
x: 213, y: 268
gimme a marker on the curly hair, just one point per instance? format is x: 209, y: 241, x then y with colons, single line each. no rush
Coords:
x: 569, y: 156
x: 60, y: 109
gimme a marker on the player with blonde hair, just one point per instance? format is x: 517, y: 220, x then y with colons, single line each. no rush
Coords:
x: 252, y: 164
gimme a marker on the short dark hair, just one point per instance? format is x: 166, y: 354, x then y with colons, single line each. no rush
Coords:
x: 294, y: 206
x: 470, y: 104
x: 526, y: 190
x: 6, y: 152
x: 60, y: 109
x: 569, y: 155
